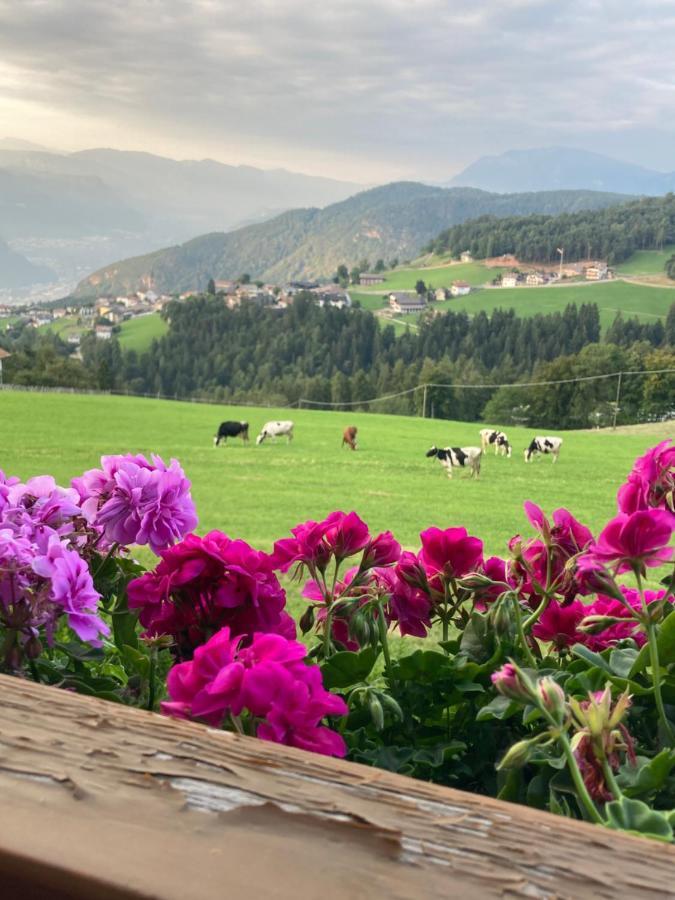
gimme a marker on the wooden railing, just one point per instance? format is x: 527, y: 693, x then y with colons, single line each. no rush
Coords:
x: 106, y: 802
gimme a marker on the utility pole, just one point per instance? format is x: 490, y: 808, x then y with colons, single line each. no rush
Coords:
x: 561, y: 251
x: 424, y: 403
x: 616, y: 402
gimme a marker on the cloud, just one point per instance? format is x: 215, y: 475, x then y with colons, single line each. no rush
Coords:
x: 376, y: 87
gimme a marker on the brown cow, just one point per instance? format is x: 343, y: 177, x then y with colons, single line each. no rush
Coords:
x: 349, y: 436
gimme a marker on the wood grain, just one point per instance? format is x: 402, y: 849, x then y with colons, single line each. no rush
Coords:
x: 104, y: 801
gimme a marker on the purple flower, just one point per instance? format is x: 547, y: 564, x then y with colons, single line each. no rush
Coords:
x: 382, y: 550
x: 138, y: 502
x: 651, y: 483
x: 72, y: 590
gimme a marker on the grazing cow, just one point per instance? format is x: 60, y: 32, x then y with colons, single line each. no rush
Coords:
x: 274, y: 430
x: 349, y: 436
x: 498, y: 438
x: 231, y: 429
x: 544, y: 444
x: 458, y: 456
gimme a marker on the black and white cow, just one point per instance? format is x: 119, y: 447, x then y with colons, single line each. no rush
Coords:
x: 544, y: 444
x: 461, y: 457
x: 275, y: 430
x: 231, y: 429
x: 501, y: 443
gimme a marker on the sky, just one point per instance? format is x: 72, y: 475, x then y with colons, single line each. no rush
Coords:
x: 362, y: 90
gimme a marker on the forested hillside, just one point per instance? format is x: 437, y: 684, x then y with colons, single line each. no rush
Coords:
x: 386, y: 222
x: 612, y: 233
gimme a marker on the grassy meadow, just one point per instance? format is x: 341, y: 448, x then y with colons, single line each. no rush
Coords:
x: 138, y: 333
x: 646, y: 262
x: 646, y: 302
x: 258, y: 493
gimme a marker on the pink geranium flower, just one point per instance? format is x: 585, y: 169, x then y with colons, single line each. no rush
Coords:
x: 651, y: 482
x: 269, y: 682
x: 635, y: 540
x: 558, y: 624
x: 449, y: 553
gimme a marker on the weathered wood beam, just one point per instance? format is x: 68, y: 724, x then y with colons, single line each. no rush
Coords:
x: 100, y: 800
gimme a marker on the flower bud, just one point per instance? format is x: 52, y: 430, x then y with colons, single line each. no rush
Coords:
x: 33, y: 647
x: 376, y: 712
x: 511, y: 682
x: 517, y: 755
x: 475, y: 581
x: 552, y: 698
x: 306, y: 621
x: 596, y: 624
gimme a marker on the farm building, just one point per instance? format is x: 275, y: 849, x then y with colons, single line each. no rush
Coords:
x: 466, y: 256
x: 370, y: 278
x: 441, y: 294
x: 598, y: 272
x: 535, y: 278
x: 510, y: 280
x: 406, y: 302
x: 460, y: 288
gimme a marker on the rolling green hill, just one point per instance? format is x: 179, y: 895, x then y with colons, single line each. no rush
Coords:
x: 395, y: 220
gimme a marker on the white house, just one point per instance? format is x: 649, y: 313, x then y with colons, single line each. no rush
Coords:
x: 597, y: 272
x: 460, y: 288
x: 510, y: 280
x: 535, y: 278
x: 466, y: 256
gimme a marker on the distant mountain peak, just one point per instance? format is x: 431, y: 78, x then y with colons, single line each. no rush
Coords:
x: 11, y: 143
x: 562, y: 168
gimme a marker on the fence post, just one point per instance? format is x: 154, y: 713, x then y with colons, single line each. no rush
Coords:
x: 424, y: 403
x: 616, y: 402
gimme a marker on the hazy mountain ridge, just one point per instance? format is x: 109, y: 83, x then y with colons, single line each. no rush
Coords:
x: 394, y: 220
x: 17, y: 271
x: 562, y: 168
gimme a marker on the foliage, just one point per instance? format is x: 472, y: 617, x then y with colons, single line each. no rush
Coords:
x: 543, y: 678
x: 613, y: 233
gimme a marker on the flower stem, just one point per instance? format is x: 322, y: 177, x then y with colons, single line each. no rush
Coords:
x: 384, y: 640
x: 152, y: 673
x: 654, y: 662
x: 611, y: 780
x: 521, y: 634
x: 582, y: 791
x: 105, y: 559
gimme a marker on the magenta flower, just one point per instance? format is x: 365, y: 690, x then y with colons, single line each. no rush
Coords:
x: 615, y: 609
x: 410, y: 570
x: 267, y: 682
x: 558, y: 624
x: 637, y: 540
x: 382, y: 550
x: 449, y: 553
x: 651, y: 482
x: 203, y: 584
x: 345, y: 534
x: 306, y: 547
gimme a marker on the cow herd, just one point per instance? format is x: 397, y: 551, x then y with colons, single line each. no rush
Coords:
x: 470, y: 457
x: 449, y: 457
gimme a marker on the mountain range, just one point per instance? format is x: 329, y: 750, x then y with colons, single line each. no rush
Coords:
x: 76, y: 211
x: 394, y: 220
x: 562, y: 168
x: 17, y: 270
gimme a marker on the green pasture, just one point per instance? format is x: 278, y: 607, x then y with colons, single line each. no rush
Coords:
x: 646, y: 262
x: 138, y: 333
x: 644, y: 301
x: 259, y: 492
x: 405, y: 279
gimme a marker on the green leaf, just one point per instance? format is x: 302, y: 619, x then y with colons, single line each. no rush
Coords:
x: 593, y: 658
x: 634, y: 815
x: 345, y: 668
x: 422, y: 665
x: 478, y: 638
x: 500, y: 708
x: 666, y: 640
x: 621, y: 661
x: 648, y: 776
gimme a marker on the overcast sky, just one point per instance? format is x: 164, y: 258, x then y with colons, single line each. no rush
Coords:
x: 367, y: 90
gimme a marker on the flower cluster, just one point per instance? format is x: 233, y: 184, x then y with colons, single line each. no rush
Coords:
x: 205, y: 583
x: 651, y: 482
x: 267, y: 681
x: 43, y: 574
x: 134, y: 501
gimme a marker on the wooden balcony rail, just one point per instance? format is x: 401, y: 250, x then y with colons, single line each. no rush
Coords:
x: 107, y: 802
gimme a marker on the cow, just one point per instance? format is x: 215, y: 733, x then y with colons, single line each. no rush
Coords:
x: 498, y: 438
x: 458, y: 456
x: 349, y: 436
x: 545, y: 444
x: 231, y: 429
x: 274, y: 430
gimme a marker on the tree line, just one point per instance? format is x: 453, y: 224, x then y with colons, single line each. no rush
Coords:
x: 613, y: 233
x: 343, y: 357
